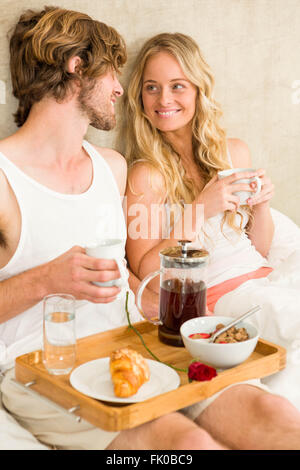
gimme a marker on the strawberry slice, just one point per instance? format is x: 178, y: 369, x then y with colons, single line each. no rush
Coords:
x: 200, y: 335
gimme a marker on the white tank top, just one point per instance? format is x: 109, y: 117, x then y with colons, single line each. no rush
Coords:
x: 52, y: 223
x: 230, y: 254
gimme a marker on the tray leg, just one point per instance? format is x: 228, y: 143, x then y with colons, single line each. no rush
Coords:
x: 70, y: 412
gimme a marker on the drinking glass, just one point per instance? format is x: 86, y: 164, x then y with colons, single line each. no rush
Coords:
x: 59, y: 335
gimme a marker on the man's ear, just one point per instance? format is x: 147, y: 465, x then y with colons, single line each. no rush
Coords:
x: 73, y: 64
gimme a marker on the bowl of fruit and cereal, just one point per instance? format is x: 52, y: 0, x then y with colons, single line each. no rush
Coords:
x: 228, y: 350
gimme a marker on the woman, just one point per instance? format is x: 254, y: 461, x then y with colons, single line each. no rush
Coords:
x: 175, y: 148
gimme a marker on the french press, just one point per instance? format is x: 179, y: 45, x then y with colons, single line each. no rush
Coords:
x: 182, y: 294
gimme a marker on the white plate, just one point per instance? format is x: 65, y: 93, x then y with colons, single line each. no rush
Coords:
x: 94, y: 380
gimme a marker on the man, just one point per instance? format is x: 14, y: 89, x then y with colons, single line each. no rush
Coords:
x: 56, y: 191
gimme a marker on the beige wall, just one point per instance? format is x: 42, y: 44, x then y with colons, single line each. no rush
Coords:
x: 253, y: 47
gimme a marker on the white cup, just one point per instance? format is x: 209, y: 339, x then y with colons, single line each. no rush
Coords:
x: 110, y: 248
x: 243, y: 195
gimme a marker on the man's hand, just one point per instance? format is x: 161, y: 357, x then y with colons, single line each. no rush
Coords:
x: 74, y: 273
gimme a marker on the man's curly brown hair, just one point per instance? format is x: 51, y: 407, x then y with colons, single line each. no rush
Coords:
x: 43, y: 42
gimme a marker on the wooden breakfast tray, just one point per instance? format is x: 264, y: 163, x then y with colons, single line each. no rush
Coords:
x: 267, y: 359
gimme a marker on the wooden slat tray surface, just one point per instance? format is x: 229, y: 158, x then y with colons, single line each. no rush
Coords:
x: 267, y: 359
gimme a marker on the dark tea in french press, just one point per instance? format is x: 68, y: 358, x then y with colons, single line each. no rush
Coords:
x: 182, y: 293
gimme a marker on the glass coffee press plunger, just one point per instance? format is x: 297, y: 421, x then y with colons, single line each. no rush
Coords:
x: 182, y: 294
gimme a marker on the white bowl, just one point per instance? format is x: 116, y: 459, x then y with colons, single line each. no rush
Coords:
x: 218, y: 355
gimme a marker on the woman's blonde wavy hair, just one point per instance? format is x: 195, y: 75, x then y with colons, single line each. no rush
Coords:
x: 145, y: 143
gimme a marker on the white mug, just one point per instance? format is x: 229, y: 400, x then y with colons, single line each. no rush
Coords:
x: 243, y: 195
x: 110, y: 249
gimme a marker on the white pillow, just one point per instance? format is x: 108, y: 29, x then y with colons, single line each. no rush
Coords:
x: 286, y: 238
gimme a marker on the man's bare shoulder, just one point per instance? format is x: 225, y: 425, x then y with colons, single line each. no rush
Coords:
x: 8, y: 145
x: 111, y: 156
x: 13, y: 148
x: 117, y: 164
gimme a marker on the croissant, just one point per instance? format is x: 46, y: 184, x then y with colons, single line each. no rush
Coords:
x: 129, y: 371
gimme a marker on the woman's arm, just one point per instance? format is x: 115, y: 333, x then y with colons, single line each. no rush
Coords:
x: 145, y: 196
x: 261, y: 227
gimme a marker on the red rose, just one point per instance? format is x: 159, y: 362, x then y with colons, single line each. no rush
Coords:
x: 201, y: 372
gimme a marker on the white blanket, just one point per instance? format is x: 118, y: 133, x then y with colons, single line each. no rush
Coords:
x: 279, y: 296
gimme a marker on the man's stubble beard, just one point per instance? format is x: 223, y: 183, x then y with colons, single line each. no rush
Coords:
x: 99, y: 115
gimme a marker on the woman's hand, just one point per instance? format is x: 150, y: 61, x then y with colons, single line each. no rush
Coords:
x: 218, y: 195
x: 266, y: 193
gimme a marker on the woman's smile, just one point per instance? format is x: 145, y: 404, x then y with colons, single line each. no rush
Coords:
x: 169, y: 98
x: 167, y: 113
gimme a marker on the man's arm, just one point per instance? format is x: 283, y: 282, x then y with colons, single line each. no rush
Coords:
x: 24, y: 290
x: 73, y: 273
x: 20, y: 292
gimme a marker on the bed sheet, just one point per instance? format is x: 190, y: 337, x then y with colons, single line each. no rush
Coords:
x: 279, y: 296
